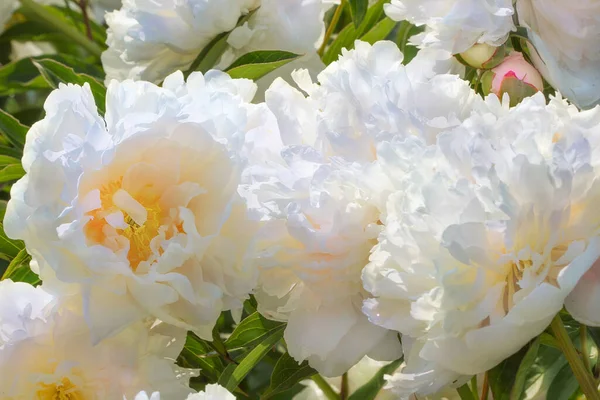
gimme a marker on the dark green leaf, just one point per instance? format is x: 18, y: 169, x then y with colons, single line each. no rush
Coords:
x: 502, y: 377
x: 251, y: 331
x: 18, y: 270
x: 21, y: 75
x: 257, y: 64
x: 350, y: 33
x: 524, y: 368
x: 564, y: 385
x: 286, y: 374
x: 212, y: 52
x: 9, y: 248
x: 30, y: 31
x: 369, y: 390
x: 358, y: 9
x: 252, y: 358
x: 55, y: 73
x: 12, y: 129
x: 198, y: 354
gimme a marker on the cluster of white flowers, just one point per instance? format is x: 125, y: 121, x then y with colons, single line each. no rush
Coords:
x: 565, y: 35
x: 377, y: 207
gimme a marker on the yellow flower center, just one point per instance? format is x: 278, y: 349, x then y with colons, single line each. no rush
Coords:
x: 139, y: 232
x: 64, y: 390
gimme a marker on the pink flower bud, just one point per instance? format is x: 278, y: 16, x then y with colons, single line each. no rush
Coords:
x: 483, y: 56
x: 514, y: 76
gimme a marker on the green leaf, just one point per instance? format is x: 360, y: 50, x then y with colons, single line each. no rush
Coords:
x: 55, y: 20
x: 56, y: 73
x: 286, y: 374
x: 12, y: 129
x: 251, y: 331
x: 380, y: 31
x: 564, y: 385
x: 198, y: 354
x: 369, y: 390
x: 524, y: 368
x: 502, y: 377
x: 358, y: 9
x: 29, y: 31
x: 19, y: 271
x: 252, y: 358
x: 257, y: 64
x: 350, y: 33
x: 21, y: 75
x: 212, y: 52
x: 9, y: 248
x: 465, y: 392
x: 11, y: 172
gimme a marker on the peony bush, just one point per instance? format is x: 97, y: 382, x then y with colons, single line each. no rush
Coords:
x: 299, y: 199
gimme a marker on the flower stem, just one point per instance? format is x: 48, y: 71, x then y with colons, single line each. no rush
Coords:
x: 86, y: 19
x: 585, y: 379
x: 485, y: 387
x: 344, y: 390
x: 331, y: 27
x: 465, y: 392
x: 474, y: 388
x: 41, y: 14
x: 328, y: 391
x: 584, y: 347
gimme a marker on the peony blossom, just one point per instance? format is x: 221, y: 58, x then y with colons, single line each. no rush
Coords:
x: 46, y: 352
x: 319, y: 190
x: 566, y: 45
x: 584, y: 301
x: 139, y: 210
x: 151, y: 40
x: 455, y: 25
x: 513, y: 76
x: 211, y: 392
x: 486, y: 236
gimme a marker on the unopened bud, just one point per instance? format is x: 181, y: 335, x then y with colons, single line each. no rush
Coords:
x: 514, y: 76
x: 483, y: 56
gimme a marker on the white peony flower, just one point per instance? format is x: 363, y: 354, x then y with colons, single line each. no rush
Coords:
x: 566, y: 40
x: 487, y: 234
x: 139, y: 210
x: 584, y: 301
x: 210, y: 392
x: 46, y: 352
x: 455, y: 25
x: 149, y: 41
x: 318, y: 188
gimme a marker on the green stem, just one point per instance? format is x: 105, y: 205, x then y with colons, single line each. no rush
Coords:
x: 331, y: 28
x: 474, y: 388
x: 585, y: 379
x: 41, y: 13
x: 465, y: 392
x: 325, y: 387
x: 584, y: 347
x: 344, y: 391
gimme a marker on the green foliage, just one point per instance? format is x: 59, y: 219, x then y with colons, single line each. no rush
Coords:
x: 351, y: 32
x: 369, y: 390
x: 56, y: 73
x: 358, y: 9
x: 212, y: 52
x: 286, y: 374
x: 257, y: 64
